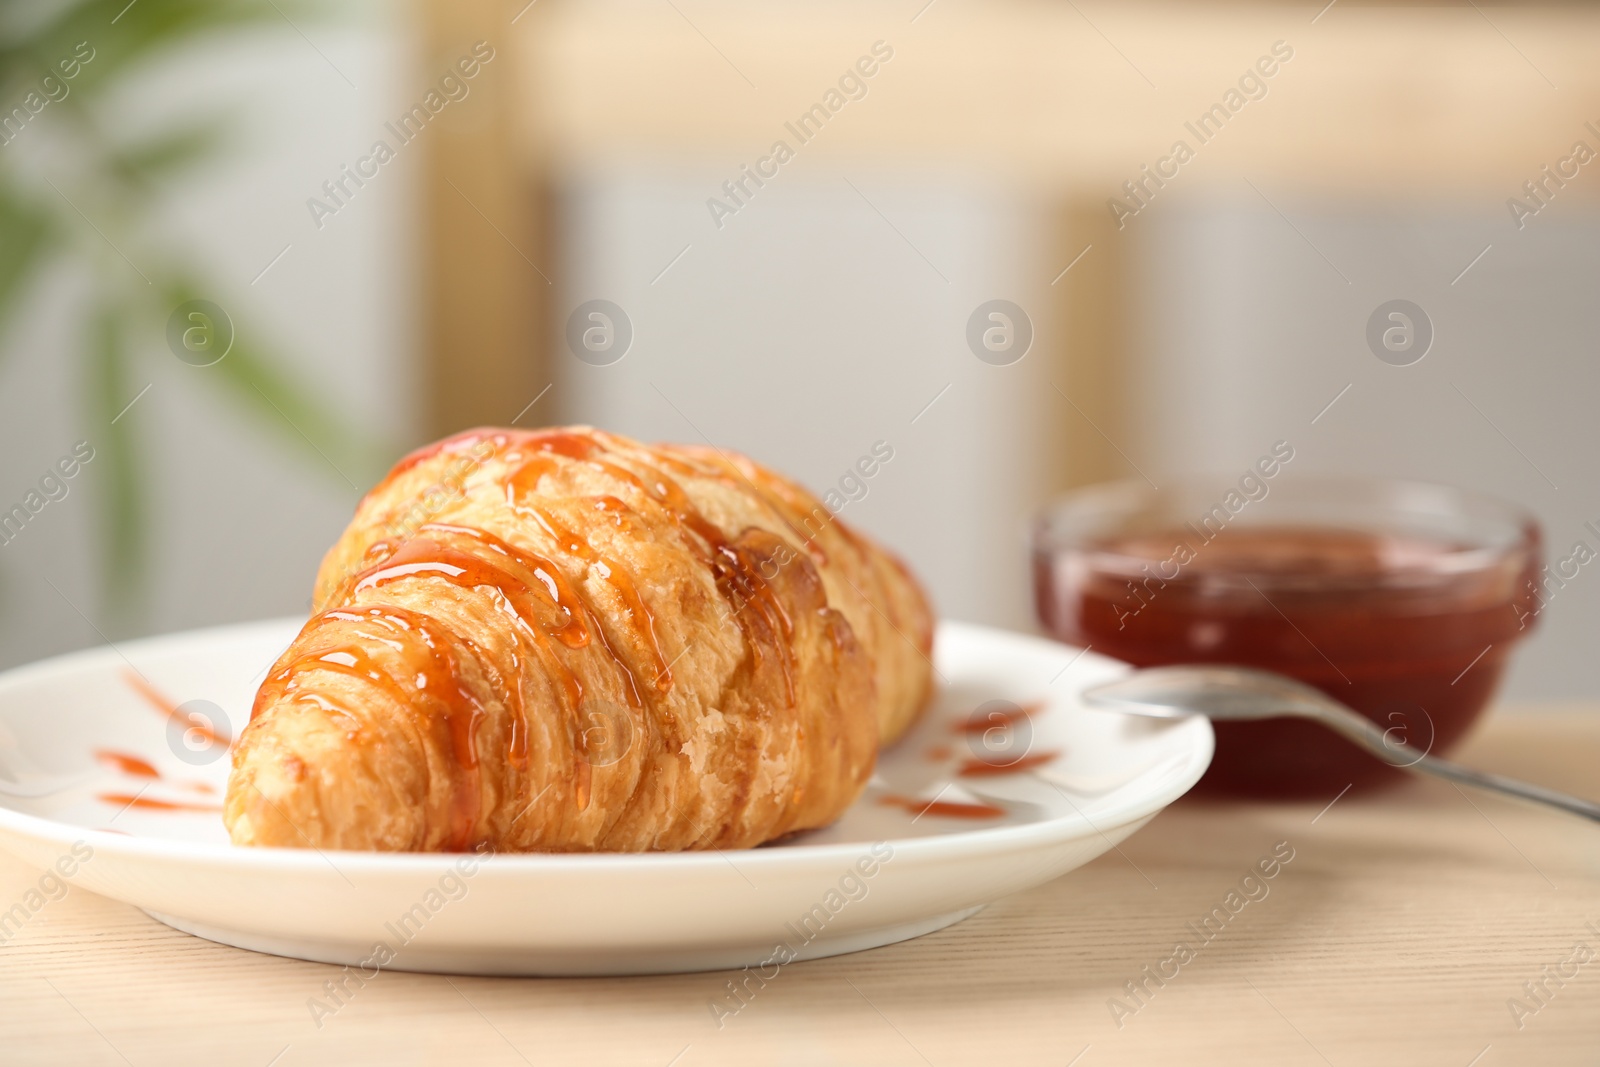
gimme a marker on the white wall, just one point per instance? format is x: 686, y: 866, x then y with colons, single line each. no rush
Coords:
x: 806, y: 329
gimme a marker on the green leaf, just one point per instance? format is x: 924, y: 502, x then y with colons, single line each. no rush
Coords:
x: 91, y: 46
x: 123, y: 523
x: 171, y: 150
x: 24, y: 242
x: 102, y: 39
x: 288, y: 408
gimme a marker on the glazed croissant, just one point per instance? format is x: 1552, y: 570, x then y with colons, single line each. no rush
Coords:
x: 565, y: 640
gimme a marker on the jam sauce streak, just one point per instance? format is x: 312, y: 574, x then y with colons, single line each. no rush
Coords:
x: 949, y: 809
x: 759, y: 612
x: 521, y: 494
x: 132, y: 766
x: 163, y: 704
x: 135, y: 800
x: 978, y: 768
x: 433, y: 691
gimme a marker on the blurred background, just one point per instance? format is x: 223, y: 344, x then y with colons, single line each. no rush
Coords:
x: 1183, y: 309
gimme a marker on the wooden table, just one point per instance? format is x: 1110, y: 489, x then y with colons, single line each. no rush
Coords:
x: 1397, y: 934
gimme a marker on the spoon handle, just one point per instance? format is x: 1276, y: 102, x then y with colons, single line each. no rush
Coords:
x: 1455, y: 772
x: 1244, y: 694
x: 1399, y: 754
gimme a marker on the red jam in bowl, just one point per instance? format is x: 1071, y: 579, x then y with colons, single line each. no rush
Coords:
x: 1401, y: 600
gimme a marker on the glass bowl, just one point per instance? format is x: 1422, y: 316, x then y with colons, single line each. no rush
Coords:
x: 1401, y: 599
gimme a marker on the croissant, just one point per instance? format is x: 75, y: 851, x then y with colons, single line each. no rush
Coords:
x: 566, y: 640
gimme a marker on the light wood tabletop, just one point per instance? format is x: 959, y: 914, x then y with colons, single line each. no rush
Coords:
x: 1406, y: 929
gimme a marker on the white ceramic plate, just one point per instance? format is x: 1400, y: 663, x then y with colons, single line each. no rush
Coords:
x: 885, y: 872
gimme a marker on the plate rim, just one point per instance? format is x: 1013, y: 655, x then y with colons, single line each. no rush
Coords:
x: 972, y: 843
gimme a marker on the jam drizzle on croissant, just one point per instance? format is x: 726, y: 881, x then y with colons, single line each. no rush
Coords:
x: 738, y: 569
x: 565, y: 614
x: 469, y: 569
x: 520, y: 489
x: 437, y: 693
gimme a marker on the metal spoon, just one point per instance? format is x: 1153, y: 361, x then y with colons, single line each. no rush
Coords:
x: 1239, y: 694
